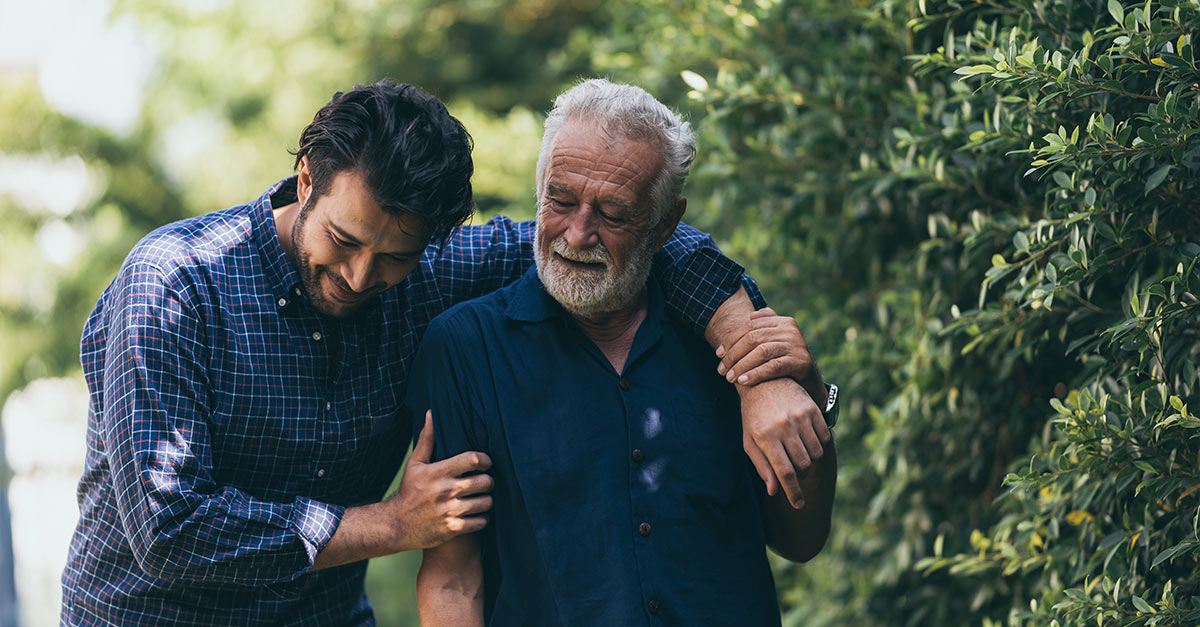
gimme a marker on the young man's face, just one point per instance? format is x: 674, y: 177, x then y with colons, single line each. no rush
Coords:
x: 348, y: 249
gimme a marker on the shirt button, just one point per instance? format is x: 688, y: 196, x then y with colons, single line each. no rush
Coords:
x: 654, y: 606
x: 623, y: 383
x: 320, y: 472
x: 644, y: 529
x: 638, y: 456
x: 282, y: 302
x: 328, y: 406
x: 316, y: 336
x: 296, y: 291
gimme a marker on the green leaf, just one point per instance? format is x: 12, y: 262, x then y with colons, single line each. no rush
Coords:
x: 1144, y: 466
x: 1021, y: 240
x: 1157, y: 177
x: 998, y: 261
x: 1063, y: 180
x: 1116, y: 11
x: 694, y: 80
x: 1142, y: 605
x: 1172, y: 552
x: 975, y: 70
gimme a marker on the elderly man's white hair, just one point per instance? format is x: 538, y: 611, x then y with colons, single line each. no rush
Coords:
x: 627, y: 112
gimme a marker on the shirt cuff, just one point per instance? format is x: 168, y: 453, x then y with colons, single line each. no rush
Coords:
x: 756, y: 297
x: 707, y: 281
x: 315, y: 523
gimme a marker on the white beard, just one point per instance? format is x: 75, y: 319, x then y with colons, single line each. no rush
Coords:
x: 588, y: 293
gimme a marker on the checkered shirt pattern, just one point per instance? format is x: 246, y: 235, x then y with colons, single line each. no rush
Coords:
x: 230, y: 425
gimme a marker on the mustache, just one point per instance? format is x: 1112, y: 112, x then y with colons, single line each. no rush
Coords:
x: 595, y: 254
x: 337, y: 279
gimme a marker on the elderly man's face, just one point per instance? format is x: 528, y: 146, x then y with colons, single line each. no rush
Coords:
x: 596, y: 233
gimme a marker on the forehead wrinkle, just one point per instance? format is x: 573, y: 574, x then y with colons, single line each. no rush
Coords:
x: 626, y: 173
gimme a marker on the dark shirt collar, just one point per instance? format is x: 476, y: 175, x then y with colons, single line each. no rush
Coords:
x: 278, y: 266
x: 532, y: 303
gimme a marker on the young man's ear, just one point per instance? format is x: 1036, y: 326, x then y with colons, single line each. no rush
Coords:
x: 667, y: 227
x: 303, y: 181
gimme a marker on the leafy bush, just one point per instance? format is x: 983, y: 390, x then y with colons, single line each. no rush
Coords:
x: 985, y: 215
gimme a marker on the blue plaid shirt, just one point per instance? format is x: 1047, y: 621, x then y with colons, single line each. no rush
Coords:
x: 230, y: 425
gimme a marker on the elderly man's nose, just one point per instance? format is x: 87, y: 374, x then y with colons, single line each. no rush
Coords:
x: 581, y: 231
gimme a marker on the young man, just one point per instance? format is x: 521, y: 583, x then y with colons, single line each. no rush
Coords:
x: 622, y: 495
x: 246, y: 369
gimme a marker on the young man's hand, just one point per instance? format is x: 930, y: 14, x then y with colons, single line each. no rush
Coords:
x: 435, y: 503
x: 441, y: 500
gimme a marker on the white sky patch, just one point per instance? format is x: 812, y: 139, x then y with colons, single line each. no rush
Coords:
x: 186, y: 141
x: 90, y: 65
x: 42, y: 184
x: 59, y: 242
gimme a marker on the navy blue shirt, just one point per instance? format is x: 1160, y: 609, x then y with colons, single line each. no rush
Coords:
x: 620, y: 499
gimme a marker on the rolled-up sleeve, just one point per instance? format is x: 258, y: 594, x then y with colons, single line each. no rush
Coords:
x: 180, y: 522
x: 696, y: 277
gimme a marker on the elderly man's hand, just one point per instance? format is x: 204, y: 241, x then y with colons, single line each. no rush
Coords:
x: 783, y: 433
x: 783, y: 429
x: 771, y: 347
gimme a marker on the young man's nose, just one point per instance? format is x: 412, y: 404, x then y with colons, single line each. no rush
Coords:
x: 358, y: 272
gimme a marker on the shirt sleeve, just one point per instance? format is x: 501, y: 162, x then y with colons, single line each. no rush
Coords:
x: 182, y: 523
x: 695, y: 275
x: 440, y: 382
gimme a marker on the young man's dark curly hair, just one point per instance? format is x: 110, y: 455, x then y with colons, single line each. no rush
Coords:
x: 413, y: 155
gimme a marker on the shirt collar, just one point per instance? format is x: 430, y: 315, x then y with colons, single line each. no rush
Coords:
x: 532, y: 303
x: 285, y: 281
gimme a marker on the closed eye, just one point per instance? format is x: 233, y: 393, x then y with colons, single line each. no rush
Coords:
x: 341, y: 242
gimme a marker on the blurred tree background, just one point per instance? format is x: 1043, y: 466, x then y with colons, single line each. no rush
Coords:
x: 983, y: 214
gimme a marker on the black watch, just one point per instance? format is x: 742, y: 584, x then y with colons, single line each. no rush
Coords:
x: 831, y: 405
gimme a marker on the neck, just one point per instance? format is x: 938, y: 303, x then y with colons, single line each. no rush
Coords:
x: 285, y: 219
x: 614, y: 331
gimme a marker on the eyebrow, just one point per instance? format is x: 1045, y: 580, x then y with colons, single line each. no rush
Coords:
x: 557, y: 188
x: 354, y: 240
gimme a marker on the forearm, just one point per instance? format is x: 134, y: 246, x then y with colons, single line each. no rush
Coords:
x: 450, y: 585
x: 798, y: 535
x: 362, y: 534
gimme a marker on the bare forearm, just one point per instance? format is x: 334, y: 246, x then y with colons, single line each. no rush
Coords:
x: 361, y: 535
x: 730, y: 320
x: 450, y: 585
x: 798, y: 535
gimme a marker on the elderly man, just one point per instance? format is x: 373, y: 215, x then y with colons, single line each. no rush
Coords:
x: 622, y: 495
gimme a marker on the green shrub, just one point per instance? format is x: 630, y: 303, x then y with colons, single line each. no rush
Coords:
x: 985, y: 217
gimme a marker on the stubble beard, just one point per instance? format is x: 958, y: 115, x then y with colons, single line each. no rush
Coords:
x: 310, y: 277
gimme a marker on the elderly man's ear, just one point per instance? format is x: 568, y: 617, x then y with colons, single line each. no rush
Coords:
x: 670, y: 221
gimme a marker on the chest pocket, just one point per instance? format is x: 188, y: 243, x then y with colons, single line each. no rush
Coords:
x: 702, y: 448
